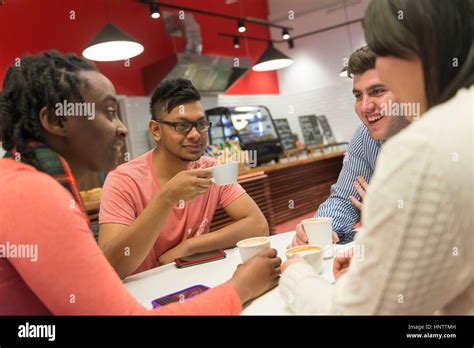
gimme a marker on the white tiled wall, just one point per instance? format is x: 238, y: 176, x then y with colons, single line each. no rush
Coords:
x: 336, y: 102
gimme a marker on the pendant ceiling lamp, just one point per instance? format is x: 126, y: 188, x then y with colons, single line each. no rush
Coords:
x: 112, y: 44
x: 272, y: 59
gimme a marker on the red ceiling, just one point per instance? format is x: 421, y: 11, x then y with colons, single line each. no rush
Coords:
x: 31, y: 26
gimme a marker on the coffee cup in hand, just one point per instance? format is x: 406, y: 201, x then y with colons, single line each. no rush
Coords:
x: 313, y: 254
x: 250, y: 247
x: 319, y: 232
x: 224, y: 174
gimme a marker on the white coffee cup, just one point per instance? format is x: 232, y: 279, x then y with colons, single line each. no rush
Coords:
x: 225, y: 174
x: 313, y: 254
x: 250, y: 247
x: 319, y: 232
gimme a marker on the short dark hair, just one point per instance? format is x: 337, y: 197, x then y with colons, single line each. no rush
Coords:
x: 437, y: 31
x: 171, y: 93
x: 360, y: 61
x: 39, y: 81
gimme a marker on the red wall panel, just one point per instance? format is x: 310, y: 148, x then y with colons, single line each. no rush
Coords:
x: 31, y: 26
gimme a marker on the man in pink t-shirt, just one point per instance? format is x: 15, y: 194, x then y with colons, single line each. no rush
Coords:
x: 159, y: 206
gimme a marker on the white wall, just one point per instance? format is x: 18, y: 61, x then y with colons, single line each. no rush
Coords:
x: 318, y: 58
x: 335, y: 101
x: 136, y: 116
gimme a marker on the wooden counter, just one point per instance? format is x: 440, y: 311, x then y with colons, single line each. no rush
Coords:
x: 284, y: 191
x: 293, y: 163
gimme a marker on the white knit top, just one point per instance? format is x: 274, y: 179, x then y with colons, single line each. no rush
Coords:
x: 418, y: 243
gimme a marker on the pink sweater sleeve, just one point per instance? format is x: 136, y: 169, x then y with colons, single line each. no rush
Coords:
x: 71, y: 275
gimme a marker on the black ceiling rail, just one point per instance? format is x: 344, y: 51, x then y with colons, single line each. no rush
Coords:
x: 324, y: 29
x: 215, y: 14
x: 249, y: 37
x: 293, y: 37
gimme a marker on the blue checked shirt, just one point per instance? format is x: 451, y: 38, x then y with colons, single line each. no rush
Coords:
x: 360, y: 160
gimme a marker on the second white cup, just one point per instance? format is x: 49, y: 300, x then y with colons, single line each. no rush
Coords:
x: 250, y: 247
x: 319, y: 232
x: 313, y: 254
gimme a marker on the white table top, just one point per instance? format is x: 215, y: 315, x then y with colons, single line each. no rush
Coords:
x: 167, y: 279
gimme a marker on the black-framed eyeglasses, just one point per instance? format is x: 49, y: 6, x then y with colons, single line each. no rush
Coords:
x: 184, y: 127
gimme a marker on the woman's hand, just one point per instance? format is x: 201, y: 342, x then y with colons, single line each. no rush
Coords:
x: 342, y: 262
x: 294, y: 259
x: 301, y: 238
x: 256, y: 276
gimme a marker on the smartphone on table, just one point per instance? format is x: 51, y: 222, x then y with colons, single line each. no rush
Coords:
x: 199, y: 258
x: 179, y: 296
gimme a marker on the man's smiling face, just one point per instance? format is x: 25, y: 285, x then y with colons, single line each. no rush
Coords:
x: 370, y: 96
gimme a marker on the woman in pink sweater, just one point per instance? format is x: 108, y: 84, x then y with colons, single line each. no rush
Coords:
x: 49, y: 260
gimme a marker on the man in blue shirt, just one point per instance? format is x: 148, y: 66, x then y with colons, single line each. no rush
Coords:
x: 371, y: 100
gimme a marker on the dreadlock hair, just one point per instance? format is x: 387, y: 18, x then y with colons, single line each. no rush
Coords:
x: 39, y: 81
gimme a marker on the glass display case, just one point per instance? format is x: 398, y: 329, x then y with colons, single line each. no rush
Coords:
x: 222, y: 129
x: 251, y: 126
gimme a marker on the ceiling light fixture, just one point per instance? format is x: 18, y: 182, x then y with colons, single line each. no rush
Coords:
x: 154, y: 10
x: 291, y: 44
x: 272, y: 59
x: 241, y: 26
x: 236, y: 42
x: 112, y: 44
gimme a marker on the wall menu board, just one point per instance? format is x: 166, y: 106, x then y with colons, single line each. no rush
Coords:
x: 288, y: 139
x: 326, y: 128
x: 310, y: 129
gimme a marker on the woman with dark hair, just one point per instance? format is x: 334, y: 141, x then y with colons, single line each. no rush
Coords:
x: 415, y: 256
x: 58, y: 120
